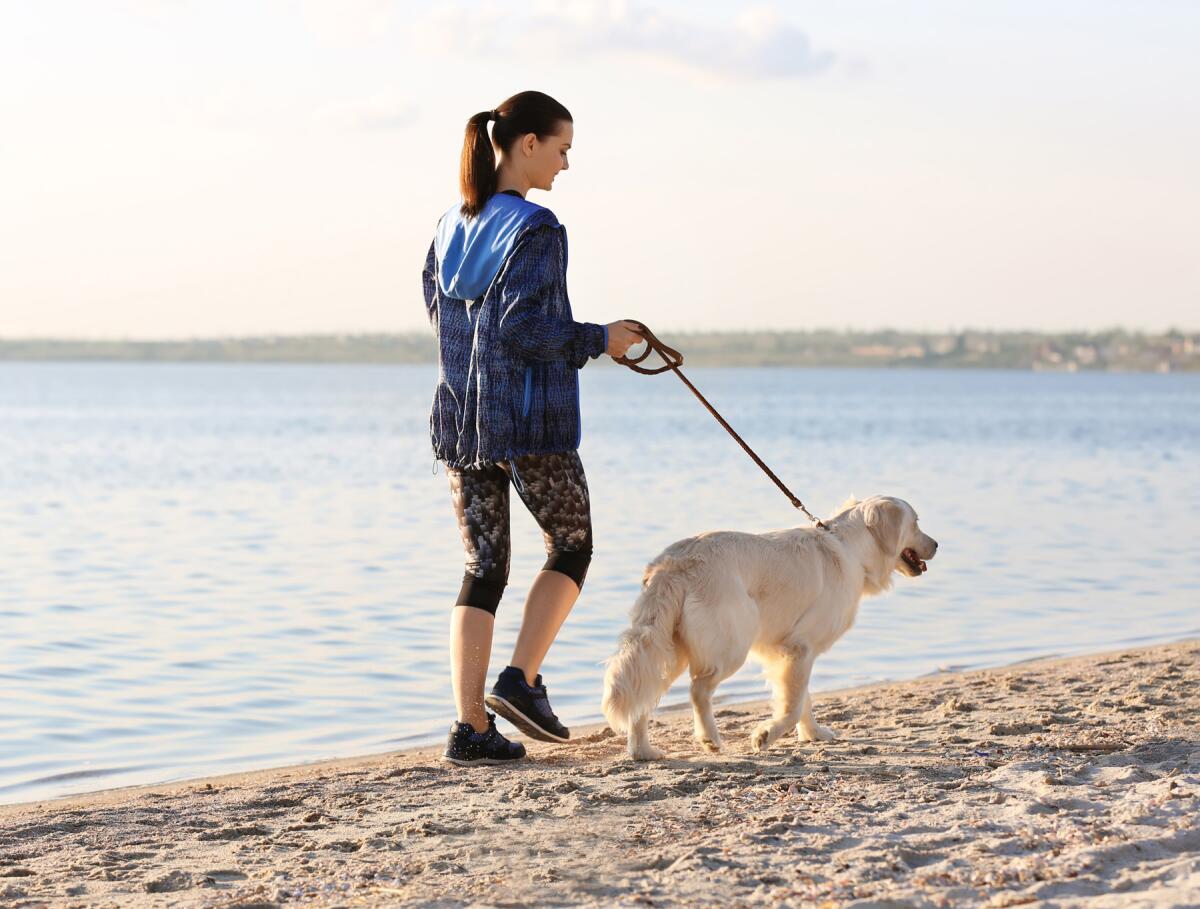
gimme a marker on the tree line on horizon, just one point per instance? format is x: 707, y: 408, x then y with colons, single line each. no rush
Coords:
x: 1113, y: 349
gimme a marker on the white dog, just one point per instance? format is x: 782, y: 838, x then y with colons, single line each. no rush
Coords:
x: 710, y: 600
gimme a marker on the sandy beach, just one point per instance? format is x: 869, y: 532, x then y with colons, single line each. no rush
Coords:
x: 1070, y: 782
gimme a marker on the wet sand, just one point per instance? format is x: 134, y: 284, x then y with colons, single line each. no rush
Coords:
x: 1072, y: 782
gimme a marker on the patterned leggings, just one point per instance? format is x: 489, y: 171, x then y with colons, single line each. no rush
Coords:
x: 553, y: 488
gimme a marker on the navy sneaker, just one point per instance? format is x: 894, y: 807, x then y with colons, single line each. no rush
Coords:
x: 526, y: 706
x: 466, y: 747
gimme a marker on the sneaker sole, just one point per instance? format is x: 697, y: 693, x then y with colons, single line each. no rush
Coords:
x: 486, y: 762
x: 522, y: 722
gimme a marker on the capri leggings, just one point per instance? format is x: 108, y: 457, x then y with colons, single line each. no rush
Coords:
x: 553, y: 488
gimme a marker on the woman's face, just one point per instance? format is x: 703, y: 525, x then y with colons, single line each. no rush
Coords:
x: 541, y: 161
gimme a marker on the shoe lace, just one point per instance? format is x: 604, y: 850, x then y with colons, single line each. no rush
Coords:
x: 492, y: 731
x: 544, y: 695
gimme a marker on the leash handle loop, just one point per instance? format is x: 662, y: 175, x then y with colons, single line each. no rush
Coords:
x: 672, y: 357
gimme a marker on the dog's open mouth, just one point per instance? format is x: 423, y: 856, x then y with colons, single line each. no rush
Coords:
x: 914, y: 561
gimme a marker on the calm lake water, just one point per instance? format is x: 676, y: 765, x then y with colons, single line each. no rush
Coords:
x: 212, y: 567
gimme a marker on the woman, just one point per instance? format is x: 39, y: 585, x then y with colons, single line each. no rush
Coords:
x: 506, y: 410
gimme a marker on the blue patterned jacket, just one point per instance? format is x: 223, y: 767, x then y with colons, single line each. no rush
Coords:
x: 509, y: 350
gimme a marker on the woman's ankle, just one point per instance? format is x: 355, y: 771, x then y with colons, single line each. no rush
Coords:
x: 527, y: 676
x: 477, y: 722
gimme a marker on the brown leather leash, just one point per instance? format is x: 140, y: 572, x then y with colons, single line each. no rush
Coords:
x: 673, y: 360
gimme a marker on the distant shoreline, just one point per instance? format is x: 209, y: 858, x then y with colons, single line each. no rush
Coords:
x: 1114, y: 350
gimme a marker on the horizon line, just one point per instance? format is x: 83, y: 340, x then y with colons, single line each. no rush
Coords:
x: 262, y: 336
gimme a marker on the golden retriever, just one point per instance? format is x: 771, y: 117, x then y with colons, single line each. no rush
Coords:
x: 709, y: 601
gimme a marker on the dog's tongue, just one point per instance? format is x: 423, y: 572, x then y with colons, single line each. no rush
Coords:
x: 912, y: 556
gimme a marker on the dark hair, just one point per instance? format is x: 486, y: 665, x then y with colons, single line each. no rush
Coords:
x: 526, y: 112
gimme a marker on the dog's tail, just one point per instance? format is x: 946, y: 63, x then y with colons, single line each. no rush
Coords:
x: 637, y: 676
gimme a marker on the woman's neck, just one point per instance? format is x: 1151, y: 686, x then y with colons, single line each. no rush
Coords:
x: 506, y: 180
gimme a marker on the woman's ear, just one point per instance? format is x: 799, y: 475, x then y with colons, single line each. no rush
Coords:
x: 884, y: 518
x: 528, y: 144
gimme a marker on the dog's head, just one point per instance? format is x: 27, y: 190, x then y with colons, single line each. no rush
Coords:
x: 893, y: 525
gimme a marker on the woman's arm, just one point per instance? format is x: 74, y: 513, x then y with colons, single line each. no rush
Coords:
x: 429, y: 280
x: 535, y: 264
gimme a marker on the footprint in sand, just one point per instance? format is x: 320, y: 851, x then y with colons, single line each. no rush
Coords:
x: 267, y: 804
x: 176, y: 880
x: 235, y: 833
x: 226, y: 874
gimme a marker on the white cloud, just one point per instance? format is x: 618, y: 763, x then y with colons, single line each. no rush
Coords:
x: 760, y: 43
x: 229, y: 108
x: 346, y: 22
x: 155, y: 9
x: 234, y: 105
x: 379, y: 113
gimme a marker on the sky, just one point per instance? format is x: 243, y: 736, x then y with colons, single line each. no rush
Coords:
x: 199, y: 168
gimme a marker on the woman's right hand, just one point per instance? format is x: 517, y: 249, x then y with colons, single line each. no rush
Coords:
x: 622, y: 336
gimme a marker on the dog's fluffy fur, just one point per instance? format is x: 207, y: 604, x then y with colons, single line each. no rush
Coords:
x: 709, y: 601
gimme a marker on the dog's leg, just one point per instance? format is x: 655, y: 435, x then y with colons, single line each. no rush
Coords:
x: 790, y: 670
x: 808, y: 729
x: 640, y: 748
x: 707, y: 733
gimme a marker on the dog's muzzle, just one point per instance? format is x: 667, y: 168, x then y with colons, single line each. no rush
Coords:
x: 914, y: 561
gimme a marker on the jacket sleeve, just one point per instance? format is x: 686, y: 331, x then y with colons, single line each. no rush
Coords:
x: 535, y: 267
x: 429, y: 281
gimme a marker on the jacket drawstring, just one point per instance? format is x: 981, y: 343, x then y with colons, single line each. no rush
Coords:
x: 512, y: 465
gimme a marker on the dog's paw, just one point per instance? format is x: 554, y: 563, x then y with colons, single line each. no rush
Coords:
x: 647, y: 753
x: 818, y: 733
x: 761, y: 737
x: 710, y: 745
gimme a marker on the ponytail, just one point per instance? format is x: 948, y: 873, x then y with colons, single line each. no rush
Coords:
x: 477, y: 171
x: 523, y: 113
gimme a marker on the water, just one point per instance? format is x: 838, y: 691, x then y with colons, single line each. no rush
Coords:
x: 207, y: 568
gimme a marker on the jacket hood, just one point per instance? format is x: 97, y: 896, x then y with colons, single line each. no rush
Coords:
x: 470, y: 252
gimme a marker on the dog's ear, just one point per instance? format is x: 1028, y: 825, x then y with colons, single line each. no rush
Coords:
x: 884, y: 518
x: 846, y: 506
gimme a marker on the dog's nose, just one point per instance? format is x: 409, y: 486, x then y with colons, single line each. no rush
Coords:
x: 934, y: 542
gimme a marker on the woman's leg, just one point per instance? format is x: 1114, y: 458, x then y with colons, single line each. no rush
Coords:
x: 470, y: 649
x: 481, y: 505
x: 554, y: 489
x: 550, y: 601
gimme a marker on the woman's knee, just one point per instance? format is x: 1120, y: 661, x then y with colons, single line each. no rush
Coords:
x: 573, y: 563
x: 482, y: 592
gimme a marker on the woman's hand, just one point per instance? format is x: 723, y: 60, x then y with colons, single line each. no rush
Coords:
x: 621, y: 336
